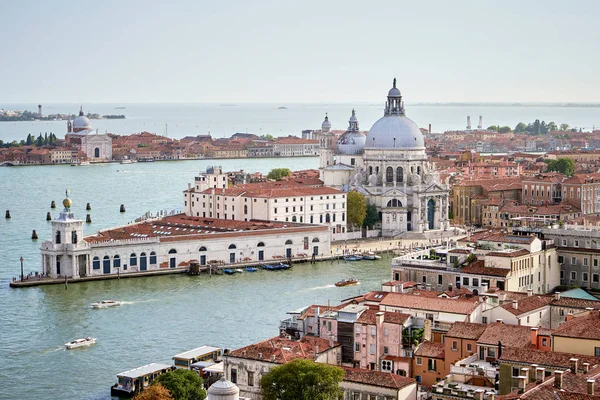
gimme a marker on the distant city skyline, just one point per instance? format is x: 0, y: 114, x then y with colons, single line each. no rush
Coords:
x: 308, y: 52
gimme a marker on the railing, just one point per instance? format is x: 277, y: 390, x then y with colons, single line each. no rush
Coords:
x: 288, y: 324
x: 480, y: 371
x: 441, y: 326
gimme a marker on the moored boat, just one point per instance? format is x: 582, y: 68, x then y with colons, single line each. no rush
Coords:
x: 229, y: 271
x: 238, y: 270
x: 251, y: 269
x: 84, y: 342
x: 352, y: 257
x: 346, y: 282
x: 371, y: 256
x: 107, y: 303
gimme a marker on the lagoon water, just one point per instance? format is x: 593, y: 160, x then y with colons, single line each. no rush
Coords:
x: 179, y: 120
x: 162, y: 316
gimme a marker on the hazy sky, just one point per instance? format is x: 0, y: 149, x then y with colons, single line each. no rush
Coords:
x: 299, y: 51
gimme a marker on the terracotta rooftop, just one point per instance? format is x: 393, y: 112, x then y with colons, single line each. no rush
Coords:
x: 431, y: 350
x: 582, y: 327
x: 508, y: 335
x: 572, y: 302
x: 369, y: 317
x: 478, y: 268
x: 527, y: 304
x: 376, y: 378
x: 466, y: 330
x: 410, y: 301
x: 546, y: 358
x: 508, y: 253
x: 279, y: 350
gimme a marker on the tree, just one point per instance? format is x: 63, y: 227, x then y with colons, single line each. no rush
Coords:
x: 302, y: 379
x: 520, y: 128
x: 29, y: 140
x: 154, y: 392
x: 504, y: 129
x: 412, y: 337
x: 357, y: 209
x: 183, y: 384
x: 371, y: 216
x: 267, y: 137
x: 551, y: 127
x: 279, y: 173
x: 565, y: 166
x: 564, y: 127
x: 493, y: 128
x: 40, y: 141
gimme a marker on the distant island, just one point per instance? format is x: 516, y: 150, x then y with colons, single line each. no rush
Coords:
x: 282, y: 108
x: 114, y: 116
x: 119, y: 108
x: 15, y: 116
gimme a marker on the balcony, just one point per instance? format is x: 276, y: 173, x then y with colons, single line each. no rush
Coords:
x: 290, y: 324
x: 441, y: 326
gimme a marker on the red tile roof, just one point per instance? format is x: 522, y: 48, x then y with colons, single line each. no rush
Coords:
x: 466, y: 330
x: 376, y: 378
x: 279, y: 350
x: 527, y: 304
x: 546, y: 358
x: 431, y: 350
x: 581, y: 327
x: 369, y: 317
x: 411, y: 301
x: 508, y: 335
x: 479, y: 268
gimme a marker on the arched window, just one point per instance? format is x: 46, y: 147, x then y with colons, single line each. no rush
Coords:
x: 202, y: 248
x: 389, y: 174
x: 288, y: 242
x: 418, y: 170
x: 96, y: 263
x: 327, y: 217
x: 152, y: 258
x: 133, y: 260
x: 97, y: 152
x: 116, y: 262
x: 260, y: 244
x: 106, y: 264
x: 315, y: 240
x: 394, y: 203
x: 57, y: 237
x: 399, y: 174
x: 294, y: 218
x: 172, y: 251
x: 232, y: 246
x: 245, y: 209
x: 370, y: 170
x: 301, y: 218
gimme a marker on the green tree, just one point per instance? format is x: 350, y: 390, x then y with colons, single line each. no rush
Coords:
x: 412, y: 337
x: 536, y: 127
x: 493, y: 128
x: 46, y: 138
x: 302, y: 379
x: 504, y: 129
x: 551, y: 127
x: 356, y: 208
x: 520, y: 128
x: 564, y: 127
x: 565, y: 166
x: 40, y: 141
x: 279, y: 173
x: 29, y: 140
x: 183, y: 384
x: 371, y: 216
x: 267, y: 137
x: 154, y: 392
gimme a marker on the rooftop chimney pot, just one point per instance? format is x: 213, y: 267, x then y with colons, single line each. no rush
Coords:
x: 558, y: 379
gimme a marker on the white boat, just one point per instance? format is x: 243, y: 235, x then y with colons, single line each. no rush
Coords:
x: 84, y: 163
x: 107, y: 303
x: 88, y: 341
x: 239, y: 270
x: 371, y: 256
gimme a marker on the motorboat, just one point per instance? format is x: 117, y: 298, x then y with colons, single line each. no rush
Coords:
x: 352, y: 257
x: 346, y: 282
x: 107, y: 303
x: 371, y: 256
x: 229, y: 271
x: 84, y: 342
x: 239, y: 270
x: 251, y: 269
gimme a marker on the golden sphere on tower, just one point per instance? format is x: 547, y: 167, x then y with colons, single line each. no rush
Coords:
x: 67, y: 202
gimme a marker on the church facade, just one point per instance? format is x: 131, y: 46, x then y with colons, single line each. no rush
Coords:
x: 96, y: 146
x: 389, y: 167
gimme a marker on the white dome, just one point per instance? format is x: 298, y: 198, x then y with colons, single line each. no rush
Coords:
x: 223, y: 389
x: 82, y: 122
x: 395, y: 131
x: 351, y: 143
x: 326, y: 125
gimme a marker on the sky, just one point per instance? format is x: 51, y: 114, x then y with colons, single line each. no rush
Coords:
x: 299, y: 51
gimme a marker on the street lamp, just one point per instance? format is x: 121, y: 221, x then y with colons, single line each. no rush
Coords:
x: 21, y: 269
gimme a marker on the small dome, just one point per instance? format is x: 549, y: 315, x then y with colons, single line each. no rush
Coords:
x: 81, y: 122
x: 351, y: 142
x: 326, y: 125
x: 353, y: 117
x: 223, y: 387
x: 394, y: 91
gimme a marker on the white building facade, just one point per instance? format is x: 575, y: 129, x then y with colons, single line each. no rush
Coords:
x: 97, y: 147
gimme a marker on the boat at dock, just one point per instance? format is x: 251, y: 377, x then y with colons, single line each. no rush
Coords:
x: 346, y: 282
x: 371, y: 256
x: 251, y: 269
x: 136, y: 380
x: 229, y: 271
x: 107, y: 303
x: 352, y: 258
x: 239, y: 270
x: 77, y: 343
x: 275, y: 267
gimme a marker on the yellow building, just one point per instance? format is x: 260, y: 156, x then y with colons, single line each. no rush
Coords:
x: 579, y: 334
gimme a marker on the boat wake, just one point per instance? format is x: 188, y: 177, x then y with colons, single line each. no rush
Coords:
x: 321, y: 287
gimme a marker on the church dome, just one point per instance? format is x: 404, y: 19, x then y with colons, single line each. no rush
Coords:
x: 223, y: 389
x: 395, y: 130
x: 352, y: 141
x: 326, y: 125
x: 81, y: 122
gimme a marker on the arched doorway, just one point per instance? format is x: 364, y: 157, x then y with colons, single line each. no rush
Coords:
x: 97, y: 152
x: 315, y: 243
x: 288, y: 248
x: 261, y: 251
x: 202, y: 255
x: 232, y: 247
x: 172, y: 258
x: 430, y: 212
x: 143, y: 262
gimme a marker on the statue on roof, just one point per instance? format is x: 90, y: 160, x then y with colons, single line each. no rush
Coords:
x: 394, y: 82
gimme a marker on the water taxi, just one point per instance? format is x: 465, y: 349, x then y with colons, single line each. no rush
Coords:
x: 346, y: 282
x: 88, y: 341
x: 371, y: 256
x: 107, y: 303
x: 352, y: 257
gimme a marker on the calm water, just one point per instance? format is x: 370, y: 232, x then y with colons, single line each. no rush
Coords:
x: 162, y: 315
x: 223, y: 121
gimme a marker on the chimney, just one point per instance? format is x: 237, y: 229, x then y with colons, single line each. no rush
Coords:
x: 316, y: 349
x: 273, y: 358
x: 590, y: 386
x: 573, y: 362
x: 450, y: 287
x: 569, y: 316
x: 331, y: 343
x: 558, y: 379
x: 533, y: 373
x: 534, y: 337
x: 586, y: 368
x: 502, y: 297
x: 379, y: 317
x: 539, y: 375
x: 484, y: 287
x: 490, y: 395
x: 521, y: 381
x: 478, y: 395
x: 525, y: 373
x: 556, y: 295
x: 515, y: 304
x: 529, y: 292
x: 260, y: 356
x: 499, y: 320
x: 429, y: 127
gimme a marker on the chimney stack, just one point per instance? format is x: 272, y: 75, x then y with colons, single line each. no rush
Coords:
x: 515, y: 304
x: 490, y: 396
x: 521, y: 383
x: 529, y: 292
x: 539, y: 375
x: 317, y: 349
x: 534, y: 337
x: 590, y: 386
x: 478, y: 395
x: 430, y: 129
x: 533, y: 373
x: 525, y: 373
x: 331, y: 343
x: 558, y: 379
x: 573, y: 362
x: 379, y: 317
x: 556, y: 295
x: 586, y: 367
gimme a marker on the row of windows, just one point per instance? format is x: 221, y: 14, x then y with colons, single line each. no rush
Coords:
x: 561, y: 260
x: 116, y: 260
x: 584, y: 276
